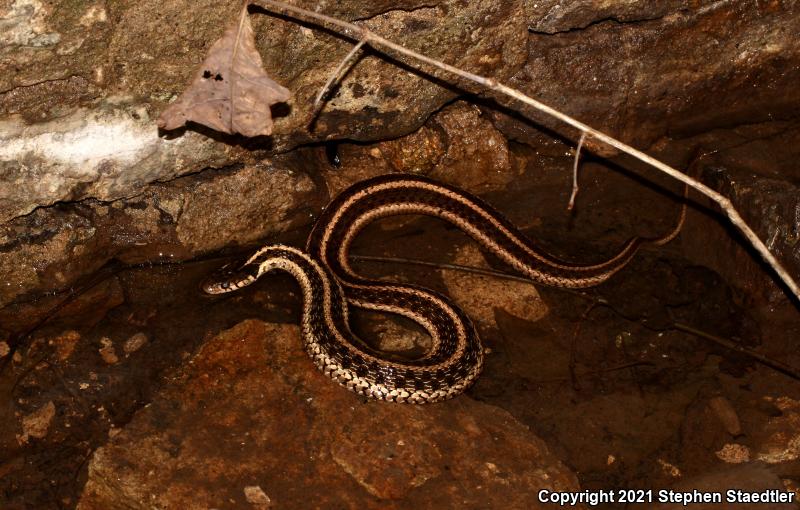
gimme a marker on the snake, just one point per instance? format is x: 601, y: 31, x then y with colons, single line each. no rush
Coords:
x: 330, y: 285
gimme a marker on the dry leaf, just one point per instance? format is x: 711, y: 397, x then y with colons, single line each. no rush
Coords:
x: 231, y: 92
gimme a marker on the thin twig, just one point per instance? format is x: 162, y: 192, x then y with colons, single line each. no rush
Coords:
x: 777, y: 365
x: 338, y: 72
x: 442, y: 265
x: 571, y: 203
x: 595, y: 301
x: 599, y: 371
x: 381, y: 44
x: 574, y: 345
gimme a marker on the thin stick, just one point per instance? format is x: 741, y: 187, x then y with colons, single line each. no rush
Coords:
x: 777, y: 365
x: 381, y: 44
x: 571, y: 203
x: 338, y: 72
x: 595, y: 372
x: 576, y: 385
x: 441, y: 265
x: 474, y: 270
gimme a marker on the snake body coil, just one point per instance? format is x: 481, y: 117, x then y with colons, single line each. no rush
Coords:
x: 329, y: 284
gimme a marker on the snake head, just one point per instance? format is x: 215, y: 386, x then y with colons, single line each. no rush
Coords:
x: 230, y: 277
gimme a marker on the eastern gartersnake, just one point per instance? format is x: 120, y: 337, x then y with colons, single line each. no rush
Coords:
x: 329, y: 283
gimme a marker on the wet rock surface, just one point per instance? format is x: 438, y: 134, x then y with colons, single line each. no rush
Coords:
x: 250, y: 409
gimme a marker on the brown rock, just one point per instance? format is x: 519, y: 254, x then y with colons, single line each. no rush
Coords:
x: 255, y: 496
x: 134, y: 343
x: 240, y: 207
x: 73, y: 309
x: 250, y: 409
x: 391, y: 336
x: 479, y: 295
x: 733, y: 453
x: 459, y: 145
x: 65, y: 344
x: 768, y: 204
x: 35, y: 424
x: 53, y: 247
x: 477, y: 156
x: 108, y: 352
x: 641, y: 70
x: 552, y: 17
x: 419, y: 152
x: 82, y: 85
x: 779, y: 440
x: 726, y: 414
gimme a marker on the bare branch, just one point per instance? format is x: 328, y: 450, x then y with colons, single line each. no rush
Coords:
x: 571, y: 203
x: 338, y: 72
x: 386, y: 46
x: 444, y: 265
x: 765, y: 360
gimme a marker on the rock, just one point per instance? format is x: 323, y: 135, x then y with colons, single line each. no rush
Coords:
x: 107, y: 152
x: 458, y: 145
x: 240, y: 207
x: 778, y: 441
x: 419, y: 152
x: 44, y: 251
x: 479, y: 295
x: 255, y: 496
x: 553, y: 17
x: 376, y: 99
x: 477, y: 157
x: 83, y: 83
x: 52, y: 247
x: 726, y: 414
x: 641, y: 70
x: 35, y: 424
x: 134, y: 343
x: 250, y: 409
x: 65, y: 344
x: 108, y: 352
x: 392, y: 336
x: 768, y: 204
x: 733, y: 453
x: 72, y: 310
